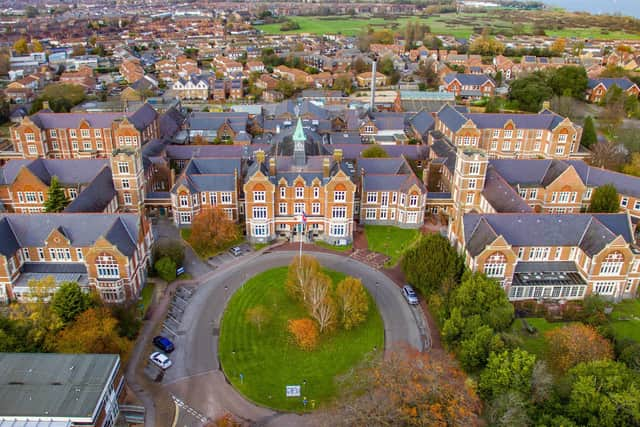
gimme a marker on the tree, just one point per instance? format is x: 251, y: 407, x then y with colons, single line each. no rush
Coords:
x: 21, y: 47
x: 353, y: 303
x: 212, y: 231
x: 166, y: 269
x: 558, y: 46
x: 509, y: 370
x: 31, y: 11
x: 507, y: 410
x: 36, y: 46
x: 614, y: 113
x: 604, y: 393
x: 474, y: 348
x: 359, y: 65
x: 69, y: 301
x: 320, y: 302
x: 56, y: 199
x: 576, y: 343
x: 426, y: 72
x: 568, y: 81
x: 169, y: 248
x: 607, y: 154
x: 62, y: 97
x: 94, y: 331
x: 299, y: 275
x: 633, y: 167
x: 589, y: 136
x: 343, y: 83
x: 604, y: 199
x: 529, y: 92
x: 541, y: 382
x: 286, y: 87
x: 305, y: 332
x: 258, y: 316
x: 374, y: 151
x: 406, y: 388
x: 494, y: 105
x: 430, y: 261
x: 486, y: 45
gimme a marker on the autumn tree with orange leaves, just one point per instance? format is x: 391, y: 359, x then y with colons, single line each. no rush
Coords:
x: 93, y: 331
x: 305, y: 332
x: 406, y: 388
x: 212, y: 231
x: 574, y: 344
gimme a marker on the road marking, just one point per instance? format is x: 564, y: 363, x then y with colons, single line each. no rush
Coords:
x: 177, y: 414
x: 189, y: 410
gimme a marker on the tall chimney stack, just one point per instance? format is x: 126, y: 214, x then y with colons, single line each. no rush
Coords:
x: 326, y: 167
x: 337, y: 155
x: 373, y: 84
x: 272, y: 166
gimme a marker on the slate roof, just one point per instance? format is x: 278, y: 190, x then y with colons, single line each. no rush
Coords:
x: 468, y: 79
x: 386, y: 174
x: 210, y: 174
x: 594, y: 177
x: 501, y: 196
x: 590, y: 232
x: 184, y: 152
x: 422, y: 122
x: 608, y: 82
x: 454, y: 119
x: 69, y: 172
x: 353, y: 151
x: 81, y: 229
x: 96, y: 196
x: 141, y: 118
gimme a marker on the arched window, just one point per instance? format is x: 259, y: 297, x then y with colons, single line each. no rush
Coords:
x: 107, y: 267
x: 495, y: 265
x: 612, y: 264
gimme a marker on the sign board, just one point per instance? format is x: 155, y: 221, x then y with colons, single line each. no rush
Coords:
x: 293, y: 390
x: 179, y: 271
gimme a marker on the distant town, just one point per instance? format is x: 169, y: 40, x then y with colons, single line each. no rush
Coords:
x: 256, y: 213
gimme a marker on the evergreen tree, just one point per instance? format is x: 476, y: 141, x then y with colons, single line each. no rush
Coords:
x: 56, y: 199
x: 589, y: 136
x: 604, y: 199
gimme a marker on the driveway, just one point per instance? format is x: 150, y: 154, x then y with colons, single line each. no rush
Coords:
x: 195, y: 377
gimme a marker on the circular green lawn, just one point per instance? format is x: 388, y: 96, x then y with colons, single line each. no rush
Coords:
x: 261, y: 363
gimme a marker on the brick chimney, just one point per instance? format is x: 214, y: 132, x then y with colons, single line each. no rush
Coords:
x: 326, y: 167
x: 337, y: 155
x: 272, y: 166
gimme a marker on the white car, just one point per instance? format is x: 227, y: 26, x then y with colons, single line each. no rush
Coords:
x: 161, y: 360
x: 410, y: 295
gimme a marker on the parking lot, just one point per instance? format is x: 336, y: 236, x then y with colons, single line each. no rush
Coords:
x: 226, y: 256
x: 171, y: 324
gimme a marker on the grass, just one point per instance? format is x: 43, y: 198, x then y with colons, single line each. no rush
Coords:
x: 625, y: 320
x: 258, y: 246
x: 147, y: 297
x: 535, y: 344
x: 337, y: 248
x: 389, y: 240
x: 269, y: 360
x: 185, y: 233
x: 460, y: 25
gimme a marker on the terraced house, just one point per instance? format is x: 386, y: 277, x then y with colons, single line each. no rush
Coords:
x: 83, y: 135
x: 545, y: 134
x: 108, y: 253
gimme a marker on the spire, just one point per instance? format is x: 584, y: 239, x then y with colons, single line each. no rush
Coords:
x: 298, y: 135
x: 299, y: 139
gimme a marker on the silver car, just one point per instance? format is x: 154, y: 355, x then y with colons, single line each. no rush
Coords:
x: 160, y: 360
x: 410, y: 295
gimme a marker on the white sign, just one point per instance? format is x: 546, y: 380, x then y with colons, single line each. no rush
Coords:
x: 293, y: 391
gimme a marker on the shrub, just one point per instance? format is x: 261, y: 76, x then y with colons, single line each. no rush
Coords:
x: 305, y: 332
x: 166, y: 269
x: 172, y: 249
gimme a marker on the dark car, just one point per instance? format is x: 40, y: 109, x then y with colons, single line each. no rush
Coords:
x: 163, y: 344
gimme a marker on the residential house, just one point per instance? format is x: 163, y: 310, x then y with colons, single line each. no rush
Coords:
x: 597, y: 88
x: 365, y: 79
x: 192, y: 87
x: 469, y: 85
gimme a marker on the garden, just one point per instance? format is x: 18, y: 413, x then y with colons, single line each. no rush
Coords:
x: 298, y: 326
x: 389, y: 240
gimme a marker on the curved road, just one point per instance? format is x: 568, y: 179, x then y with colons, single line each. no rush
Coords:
x: 195, y: 376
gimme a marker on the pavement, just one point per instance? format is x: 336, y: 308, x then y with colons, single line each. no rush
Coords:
x: 195, y: 378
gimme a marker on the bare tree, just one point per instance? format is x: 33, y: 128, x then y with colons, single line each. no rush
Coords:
x: 301, y: 271
x: 609, y: 155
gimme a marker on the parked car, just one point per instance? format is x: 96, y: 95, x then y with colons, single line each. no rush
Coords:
x: 163, y: 344
x: 161, y: 360
x: 235, y: 251
x: 410, y: 295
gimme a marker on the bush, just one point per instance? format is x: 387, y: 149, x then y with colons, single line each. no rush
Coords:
x: 166, y: 268
x: 305, y: 332
x: 172, y: 249
x: 129, y: 322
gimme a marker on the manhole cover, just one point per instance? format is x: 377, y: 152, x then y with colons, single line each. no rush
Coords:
x: 216, y: 332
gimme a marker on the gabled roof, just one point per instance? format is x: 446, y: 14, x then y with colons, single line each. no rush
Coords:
x: 19, y: 231
x: 590, y: 232
x: 69, y: 172
x: 97, y: 196
x: 595, y: 177
x: 468, y: 79
x: 140, y: 118
x: 501, y: 196
x: 608, y: 82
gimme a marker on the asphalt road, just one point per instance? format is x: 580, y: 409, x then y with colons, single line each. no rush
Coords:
x: 195, y: 376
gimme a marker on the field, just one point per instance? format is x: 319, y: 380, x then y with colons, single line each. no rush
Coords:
x: 388, y: 240
x: 534, y: 343
x: 625, y: 320
x: 268, y: 360
x: 460, y: 25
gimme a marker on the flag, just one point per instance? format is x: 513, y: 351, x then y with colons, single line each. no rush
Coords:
x: 303, y: 218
